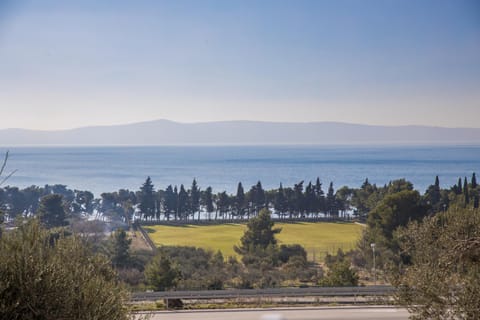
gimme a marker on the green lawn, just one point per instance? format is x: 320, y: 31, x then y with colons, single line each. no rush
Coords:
x: 317, y: 238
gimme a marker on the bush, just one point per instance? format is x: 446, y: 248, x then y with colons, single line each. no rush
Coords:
x: 340, y: 275
x: 291, y: 250
x: 45, y: 277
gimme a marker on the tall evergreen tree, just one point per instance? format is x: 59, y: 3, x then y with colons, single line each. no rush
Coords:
x: 459, y: 186
x: 310, y: 203
x: 169, y: 202
x: 320, y: 197
x: 52, y: 212
x: 260, y: 233
x: 222, y: 204
x: 299, y: 203
x: 183, y: 203
x: 240, y: 200
x: 259, y: 197
x: 366, y: 184
x: 175, y: 197
x: 120, y: 245
x: 474, y: 181
x: 147, y: 199
x: 433, y: 196
x: 465, y: 191
x: 280, y: 203
x: 208, y: 201
x: 331, y: 203
x: 195, y: 198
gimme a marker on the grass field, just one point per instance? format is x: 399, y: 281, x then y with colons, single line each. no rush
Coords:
x: 317, y: 238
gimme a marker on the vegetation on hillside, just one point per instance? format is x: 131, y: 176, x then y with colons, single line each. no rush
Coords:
x: 427, y: 245
x: 46, y: 274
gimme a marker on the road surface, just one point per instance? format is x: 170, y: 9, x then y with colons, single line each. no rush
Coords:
x: 317, y: 313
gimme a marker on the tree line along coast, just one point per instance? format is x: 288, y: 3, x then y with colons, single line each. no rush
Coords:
x: 181, y: 204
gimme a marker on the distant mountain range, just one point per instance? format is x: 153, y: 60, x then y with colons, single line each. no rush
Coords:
x: 164, y: 132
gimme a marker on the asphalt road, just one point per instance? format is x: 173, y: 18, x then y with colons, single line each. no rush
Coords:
x: 320, y: 313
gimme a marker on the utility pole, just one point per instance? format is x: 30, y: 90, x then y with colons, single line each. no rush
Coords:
x: 374, y: 270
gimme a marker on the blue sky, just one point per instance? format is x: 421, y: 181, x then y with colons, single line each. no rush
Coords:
x: 67, y: 64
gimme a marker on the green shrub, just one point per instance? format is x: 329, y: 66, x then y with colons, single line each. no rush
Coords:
x: 45, y: 277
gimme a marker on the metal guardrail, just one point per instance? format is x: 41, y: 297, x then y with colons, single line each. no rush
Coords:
x: 277, y: 292
x: 146, y: 237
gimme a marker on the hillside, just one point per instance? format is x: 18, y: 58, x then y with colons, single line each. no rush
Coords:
x: 164, y: 132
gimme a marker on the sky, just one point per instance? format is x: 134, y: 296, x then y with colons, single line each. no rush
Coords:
x: 66, y: 64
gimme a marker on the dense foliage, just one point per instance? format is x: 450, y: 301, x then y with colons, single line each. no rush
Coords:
x: 45, y: 275
x: 180, y: 203
x: 427, y: 245
x: 441, y: 276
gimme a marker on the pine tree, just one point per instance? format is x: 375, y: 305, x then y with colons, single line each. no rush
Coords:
x: 259, y: 197
x: 208, y: 201
x: 120, y: 245
x: 51, y: 211
x: 183, y: 203
x: 320, y: 197
x: 169, y: 202
x: 331, y: 203
x: 161, y: 274
x: 280, y: 203
x: 195, y: 198
x: 240, y: 200
x: 309, y: 199
x: 299, y: 202
x: 147, y: 199
x: 259, y: 234
x: 223, y: 203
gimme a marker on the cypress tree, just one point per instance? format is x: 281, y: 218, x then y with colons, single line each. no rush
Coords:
x: 195, y: 199
x: 259, y: 197
x: 175, y: 197
x: 310, y: 198
x: 365, y: 184
x: 182, y: 204
x: 474, y: 181
x: 331, y: 207
x: 320, y: 197
x: 465, y: 191
x: 240, y: 200
x: 280, y: 203
x: 459, y: 186
x: 169, y: 202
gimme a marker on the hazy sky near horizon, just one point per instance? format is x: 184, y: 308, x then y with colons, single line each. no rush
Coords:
x: 67, y: 64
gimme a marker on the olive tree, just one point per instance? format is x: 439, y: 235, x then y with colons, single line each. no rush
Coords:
x: 45, y: 275
x: 441, y: 276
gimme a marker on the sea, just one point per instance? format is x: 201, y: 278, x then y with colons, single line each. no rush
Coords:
x: 107, y: 169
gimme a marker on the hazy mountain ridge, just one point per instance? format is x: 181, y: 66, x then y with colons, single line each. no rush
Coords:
x: 165, y: 132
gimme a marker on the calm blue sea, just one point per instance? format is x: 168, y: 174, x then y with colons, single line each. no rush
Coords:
x: 101, y: 169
